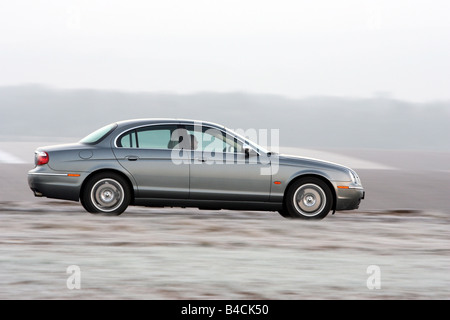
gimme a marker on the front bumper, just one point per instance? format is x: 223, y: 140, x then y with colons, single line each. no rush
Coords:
x: 348, y: 197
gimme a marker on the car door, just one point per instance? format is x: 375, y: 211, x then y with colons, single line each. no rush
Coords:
x: 220, y: 169
x: 146, y: 153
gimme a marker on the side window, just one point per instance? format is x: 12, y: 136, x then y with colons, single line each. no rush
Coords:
x: 233, y: 144
x: 213, y: 140
x: 152, y: 137
x: 128, y: 140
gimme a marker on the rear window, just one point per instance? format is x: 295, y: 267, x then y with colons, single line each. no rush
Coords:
x: 99, y: 135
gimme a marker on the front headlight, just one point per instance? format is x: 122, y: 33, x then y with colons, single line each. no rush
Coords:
x: 354, y: 177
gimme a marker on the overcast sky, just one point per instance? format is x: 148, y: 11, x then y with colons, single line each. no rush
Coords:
x: 293, y: 48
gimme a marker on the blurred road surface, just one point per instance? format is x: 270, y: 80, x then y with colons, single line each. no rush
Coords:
x: 192, y: 254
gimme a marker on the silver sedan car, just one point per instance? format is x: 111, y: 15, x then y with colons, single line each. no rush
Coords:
x: 186, y: 163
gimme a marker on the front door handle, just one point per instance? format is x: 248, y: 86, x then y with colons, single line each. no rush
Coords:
x: 132, y: 158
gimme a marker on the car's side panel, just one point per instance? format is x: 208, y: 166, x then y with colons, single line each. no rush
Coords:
x: 211, y: 204
x: 239, y: 179
x: 220, y: 170
x: 79, y: 158
x: 285, y: 175
x: 287, y: 172
x: 156, y: 175
x: 69, y: 166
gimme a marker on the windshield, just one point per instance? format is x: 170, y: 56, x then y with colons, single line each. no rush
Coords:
x: 98, y: 135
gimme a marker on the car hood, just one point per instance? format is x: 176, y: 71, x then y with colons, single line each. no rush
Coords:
x: 310, y: 162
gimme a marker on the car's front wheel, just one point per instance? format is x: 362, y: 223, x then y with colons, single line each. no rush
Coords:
x: 106, y: 193
x: 309, y: 198
x: 284, y: 213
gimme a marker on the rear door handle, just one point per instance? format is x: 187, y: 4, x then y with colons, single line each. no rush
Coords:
x: 132, y: 158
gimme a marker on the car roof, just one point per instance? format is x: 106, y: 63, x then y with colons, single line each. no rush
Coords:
x: 145, y: 121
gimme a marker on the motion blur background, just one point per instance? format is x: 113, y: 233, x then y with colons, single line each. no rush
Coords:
x: 364, y: 83
x: 360, y: 74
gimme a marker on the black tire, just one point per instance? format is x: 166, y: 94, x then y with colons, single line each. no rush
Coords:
x: 284, y: 213
x: 309, y: 198
x: 87, y: 208
x: 106, y: 193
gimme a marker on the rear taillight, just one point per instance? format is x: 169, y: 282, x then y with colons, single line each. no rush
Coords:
x: 41, y: 158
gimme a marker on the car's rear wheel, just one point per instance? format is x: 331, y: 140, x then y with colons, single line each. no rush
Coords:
x: 309, y: 198
x: 106, y: 193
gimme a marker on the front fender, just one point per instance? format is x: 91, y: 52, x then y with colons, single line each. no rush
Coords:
x: 287, y: 174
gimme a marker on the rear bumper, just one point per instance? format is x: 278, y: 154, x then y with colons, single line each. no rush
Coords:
x: 45, y: 182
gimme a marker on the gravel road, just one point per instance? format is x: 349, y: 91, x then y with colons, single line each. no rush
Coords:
x: 193, y: 254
